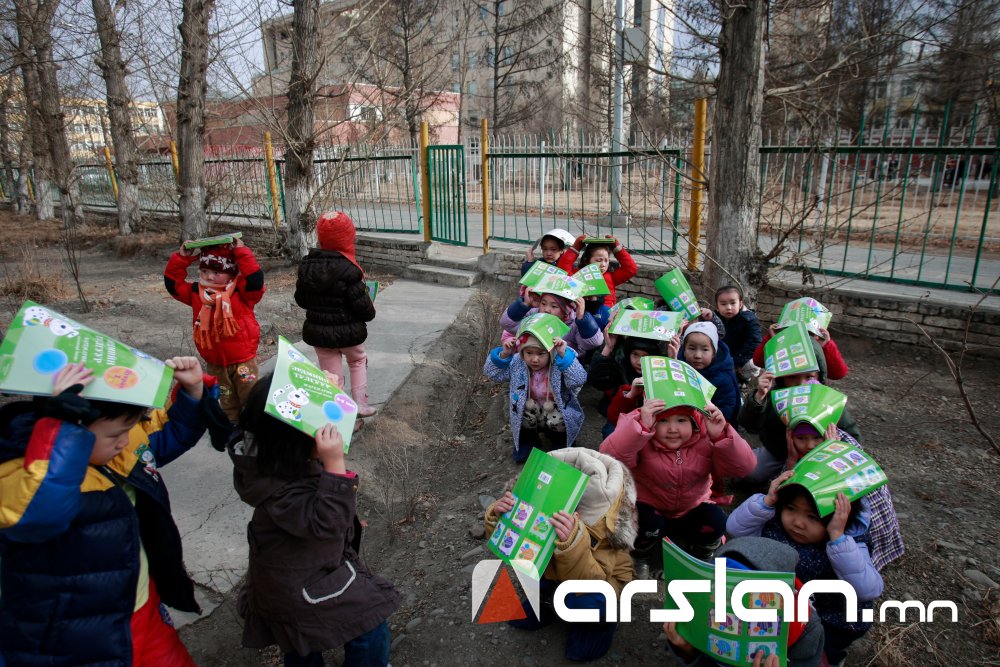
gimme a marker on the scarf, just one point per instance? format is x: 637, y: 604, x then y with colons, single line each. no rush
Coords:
x: 215, y: 319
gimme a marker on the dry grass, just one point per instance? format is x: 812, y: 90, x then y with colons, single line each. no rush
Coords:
x: 23, y: 279
x: 142, y: 243
x: 393, y: 455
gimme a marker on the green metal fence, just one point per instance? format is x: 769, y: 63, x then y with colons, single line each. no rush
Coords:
x: 533, y: 190
x: 448, y: 211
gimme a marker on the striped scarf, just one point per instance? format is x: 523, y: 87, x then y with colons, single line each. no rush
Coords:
x: 215, y: 319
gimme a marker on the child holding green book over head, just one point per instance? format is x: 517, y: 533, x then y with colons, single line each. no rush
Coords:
x: 544, y: 377
x: 601, y: 252
x: 583, y: 334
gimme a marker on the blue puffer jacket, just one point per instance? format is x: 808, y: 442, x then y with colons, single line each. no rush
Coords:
x: 727, y: 388
x: 70, y: 536
x: 566, y: 376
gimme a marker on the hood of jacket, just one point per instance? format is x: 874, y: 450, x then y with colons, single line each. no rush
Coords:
x: 721, y: 363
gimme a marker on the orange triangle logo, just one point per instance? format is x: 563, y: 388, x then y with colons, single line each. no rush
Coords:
x: 503, y: 603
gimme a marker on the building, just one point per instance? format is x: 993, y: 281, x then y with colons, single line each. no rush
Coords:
x: 88, y: 125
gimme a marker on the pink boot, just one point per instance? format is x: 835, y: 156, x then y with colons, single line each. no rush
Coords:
x: 360, y: 396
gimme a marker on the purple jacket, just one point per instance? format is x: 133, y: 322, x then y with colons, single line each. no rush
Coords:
x: 584, y: 334
x: 850, y: 560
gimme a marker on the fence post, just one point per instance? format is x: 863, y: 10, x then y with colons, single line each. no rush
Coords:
x: 111, y: 171
x: 425, y: 184
x: 697, y: 178
x: 173, y: 161
x: 272, y: 178
x: 485, y: 182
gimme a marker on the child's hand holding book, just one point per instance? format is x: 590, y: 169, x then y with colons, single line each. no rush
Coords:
x: 330, y: 449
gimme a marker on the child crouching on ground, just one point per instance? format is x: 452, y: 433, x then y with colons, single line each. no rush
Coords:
x: 833, y: 547
x: 583, y: 335
x: 543, y: 388
x: 306, y: 589
x: 674, y: 455
x: 743, y: 333
x: 593, y: 543
x: 88, y: 548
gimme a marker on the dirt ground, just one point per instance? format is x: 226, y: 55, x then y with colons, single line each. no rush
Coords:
x: 440, y: 452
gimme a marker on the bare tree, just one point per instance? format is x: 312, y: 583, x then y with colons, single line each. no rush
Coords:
x: 191, y: 91
x: 299, y: 181
x: 734, y: 192
x: 7, y: 91
x: 119, y: 100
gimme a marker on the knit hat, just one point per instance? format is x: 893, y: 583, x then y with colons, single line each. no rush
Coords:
x: 706, y: 328
x: 527, y: 340
x: 219, y: 259
x: 804, y: 428
x: 335, y: 231
x: 633, y: 343
x: 682, y: 410
x: 565, y: 304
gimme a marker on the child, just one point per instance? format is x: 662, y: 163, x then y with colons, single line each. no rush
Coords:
x: 583, y: 335
x: 331, y: 288
x: 674, y: 455
x: 704, y: 352
x: 230, y: 283
x: 614, y: 368
x: 593, y: 543
x: 543, y: 389
x: 886, y: 537
x: 553, y: 244
x: 805, y: 639
x: 835, y: 364
x: 306, y: 589
x: 88, y: 547
x: 742, y: 329
x: 600, y: 254
x: 835, y: 546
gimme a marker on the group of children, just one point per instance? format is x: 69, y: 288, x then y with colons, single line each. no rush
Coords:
x: 88, y: 547
x: 670, y: 464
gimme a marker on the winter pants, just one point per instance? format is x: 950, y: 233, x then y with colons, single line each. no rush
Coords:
x: 369, y: 650
x: 531, y: 438
x: 154, y: 640
x: 330, y: 360
x: 702, y: 526
x: 235, y: 383
x: 585, y: 641
x: 837, y: 640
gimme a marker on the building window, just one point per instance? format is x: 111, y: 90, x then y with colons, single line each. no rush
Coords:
x: 456, y: 87
x: 483, y: 12
x: 909, y: 87
x: 473, y: 61
x: 491, y: 58
x: 455, y: 61
x: 508, y: 55
x: 472, y: 88
x: 500, y: 8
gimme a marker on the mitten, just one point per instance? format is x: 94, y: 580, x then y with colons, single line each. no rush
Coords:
x: 578, y: 243
x: 70, y: 407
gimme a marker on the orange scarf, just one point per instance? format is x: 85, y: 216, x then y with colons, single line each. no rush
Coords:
x: 215, y: 320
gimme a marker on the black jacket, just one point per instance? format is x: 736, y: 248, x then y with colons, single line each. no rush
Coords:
x: 743, y: 335
x: 332, y: 291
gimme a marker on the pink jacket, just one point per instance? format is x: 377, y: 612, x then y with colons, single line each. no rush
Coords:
x: 675, y: 487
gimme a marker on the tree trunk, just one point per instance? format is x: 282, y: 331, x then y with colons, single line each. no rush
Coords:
x: 734, y: 186
x: 6, y: 155
x: 39, y: 163
x: 192, y: 88
x: 126, y: 150
x: 299, y: 185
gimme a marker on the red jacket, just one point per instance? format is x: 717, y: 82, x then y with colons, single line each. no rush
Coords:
x: 242, y: 346
x: 626, y: 270
x: 620, y: 405
x: 675, y: 487
x: 836, y: 367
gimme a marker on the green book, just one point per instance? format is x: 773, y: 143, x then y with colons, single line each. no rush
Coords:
x: 524, y: 536
x: 544, y: 327
x: 837, y: 467
x: 301, y: 396
x: 588, y: 281
x: 599, y: 240
x: 677, y: 292
x: 373, y: 287
x: 675, y: 383
x: 809, y: 312
x: 40, y: 341
x: 815, y: 404
x: 655, y: 324
x: 790, y: 352
x: 631, y: 303
x: 538, y: 271
x: 731, y: 641
x: 221, y: 239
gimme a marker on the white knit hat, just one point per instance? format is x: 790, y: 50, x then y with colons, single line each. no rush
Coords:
x: 706, y: 328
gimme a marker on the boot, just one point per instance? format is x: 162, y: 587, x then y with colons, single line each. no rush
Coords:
x: 360, y: 396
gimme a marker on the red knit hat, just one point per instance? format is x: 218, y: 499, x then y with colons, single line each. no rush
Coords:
x: 335, y: 231
x: 219, y: 259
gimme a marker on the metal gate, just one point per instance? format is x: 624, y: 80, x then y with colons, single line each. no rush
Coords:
x: 446, y: 172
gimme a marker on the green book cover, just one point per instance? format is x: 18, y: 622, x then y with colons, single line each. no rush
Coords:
x: 655, y: 324
x: 675, y: 383
x: 837, y: 467
x: 589, y: 281
x: 598, y: 240
x: 524, y: 537
x: 538, y: 271
x: 301, y: 396
x: 544, y: 327
x: 221, y: 239
x: 815, y: 404
x: 677, y: 292
x: 631, y: 303
x: 733, y: 641
x: 40, y: 341
x: 790, y: 352
x: 808, y: 311
x: 373, y: 287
